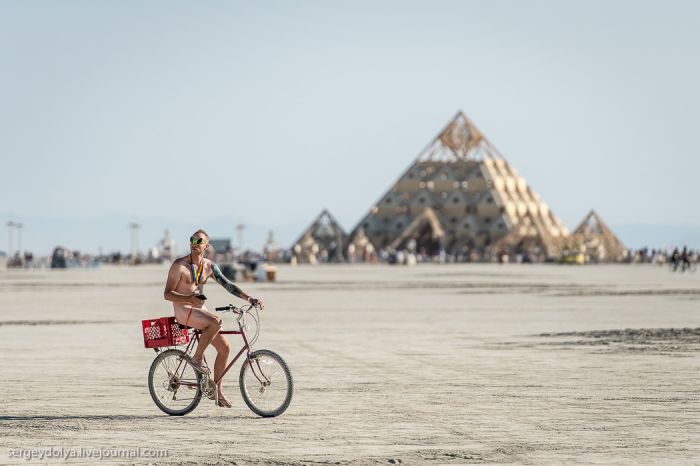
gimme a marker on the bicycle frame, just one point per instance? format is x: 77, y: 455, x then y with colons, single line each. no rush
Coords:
x: 246, y: 348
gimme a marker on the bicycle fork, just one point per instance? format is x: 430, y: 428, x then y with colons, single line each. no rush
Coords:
x: 264, y: 381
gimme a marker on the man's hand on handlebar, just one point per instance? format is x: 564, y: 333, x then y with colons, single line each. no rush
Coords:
x: 255, y: 302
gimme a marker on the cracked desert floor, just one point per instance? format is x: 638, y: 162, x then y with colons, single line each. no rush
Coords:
x: 451, y: 364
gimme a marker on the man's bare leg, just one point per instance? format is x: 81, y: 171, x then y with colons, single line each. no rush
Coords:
x: 223, y: 350
x: 207, y: 335
x: 208, y: 325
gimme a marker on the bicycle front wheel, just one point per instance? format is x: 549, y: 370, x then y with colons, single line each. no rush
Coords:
x: 266, y: 383
x: 174, y: 384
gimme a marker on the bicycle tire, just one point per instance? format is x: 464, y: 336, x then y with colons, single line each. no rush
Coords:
x: 173, y: 353
x: 246, y: 390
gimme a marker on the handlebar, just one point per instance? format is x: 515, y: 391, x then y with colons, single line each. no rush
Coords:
x: 236, y: 310
x: 241, y: 316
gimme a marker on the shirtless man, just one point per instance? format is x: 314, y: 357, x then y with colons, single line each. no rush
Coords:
x: 186, y: 279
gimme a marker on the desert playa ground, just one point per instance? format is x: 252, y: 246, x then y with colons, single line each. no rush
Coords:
x: 447, y: 364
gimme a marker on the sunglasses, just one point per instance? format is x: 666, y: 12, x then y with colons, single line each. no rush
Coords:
x: 196, y: 241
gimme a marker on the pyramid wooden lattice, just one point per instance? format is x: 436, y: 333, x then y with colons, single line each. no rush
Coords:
x: 597, y: 240
x: 323, y: 238
x: 479, y: 201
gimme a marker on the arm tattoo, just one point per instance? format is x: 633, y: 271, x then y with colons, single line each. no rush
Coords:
x: 225, y: 282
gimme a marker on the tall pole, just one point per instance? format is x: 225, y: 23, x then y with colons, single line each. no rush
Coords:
x: 240, y: 228
x: 134, y: 227
x: 19, y: 238
x: 10, y: 228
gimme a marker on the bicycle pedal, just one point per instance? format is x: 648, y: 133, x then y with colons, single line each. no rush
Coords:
x: 208, y: 387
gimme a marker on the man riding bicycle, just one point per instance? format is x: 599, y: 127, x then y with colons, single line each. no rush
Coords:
x: 184, y: 285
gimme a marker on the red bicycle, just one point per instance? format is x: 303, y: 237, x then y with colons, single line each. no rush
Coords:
x: 177, y: 388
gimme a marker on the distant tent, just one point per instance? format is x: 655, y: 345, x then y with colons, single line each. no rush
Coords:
x: 323, y: 240
x: 478, y: 199
x: 598, y: 242
x: 220, y: 250
x: 220, y: 245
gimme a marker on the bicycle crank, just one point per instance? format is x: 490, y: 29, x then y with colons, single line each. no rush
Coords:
x: 208, y: 387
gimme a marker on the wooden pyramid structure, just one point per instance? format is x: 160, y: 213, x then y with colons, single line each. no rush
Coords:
x: 324, y: 239
x: 480, y: 202
x: 597, y: 241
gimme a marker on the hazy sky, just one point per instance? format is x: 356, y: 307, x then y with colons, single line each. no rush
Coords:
x: 186, y: 114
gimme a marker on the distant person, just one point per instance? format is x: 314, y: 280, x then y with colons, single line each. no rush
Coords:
x: 685, y: 258
x: 675, y: 258
x: 186, y: 279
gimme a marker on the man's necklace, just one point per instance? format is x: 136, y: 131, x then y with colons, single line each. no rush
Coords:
x: 196, y: 271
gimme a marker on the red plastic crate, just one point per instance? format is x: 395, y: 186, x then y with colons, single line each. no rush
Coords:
x: 163, y: 331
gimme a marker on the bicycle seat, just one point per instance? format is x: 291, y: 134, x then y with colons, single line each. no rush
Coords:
x: 184, y: 327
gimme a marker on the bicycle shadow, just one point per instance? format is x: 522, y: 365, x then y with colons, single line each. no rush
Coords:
x: 115, y: 417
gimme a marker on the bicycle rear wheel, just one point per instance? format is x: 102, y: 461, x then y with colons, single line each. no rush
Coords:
x: 266, y: 383
x: 174, y: 384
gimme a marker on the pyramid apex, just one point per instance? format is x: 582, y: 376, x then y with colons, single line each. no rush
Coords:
x: 593, y: 216
x: 592, y: 221
x: 460, y: 139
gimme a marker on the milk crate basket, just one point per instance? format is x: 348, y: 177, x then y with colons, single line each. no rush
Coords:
x: 163, y: 331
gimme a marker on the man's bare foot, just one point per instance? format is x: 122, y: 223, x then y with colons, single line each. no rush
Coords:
x: 223, y: 401
x: 199, y: 365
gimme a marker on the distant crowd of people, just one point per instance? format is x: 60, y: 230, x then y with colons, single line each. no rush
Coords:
x: 411, y: 257
x: 678, y: 258
x: 675, y: 257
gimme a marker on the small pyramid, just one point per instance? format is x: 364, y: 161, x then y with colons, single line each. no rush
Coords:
x: 597, y: 240
x: 479, y: 200
x: 324, y: 239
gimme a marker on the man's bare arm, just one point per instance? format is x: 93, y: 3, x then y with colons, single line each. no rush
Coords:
x: 227, y: 284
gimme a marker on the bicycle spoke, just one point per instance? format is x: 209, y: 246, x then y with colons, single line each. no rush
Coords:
x: 162, y: 397
x: 274, y: 372
x: 268, y: 372
x: 169, y: 365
